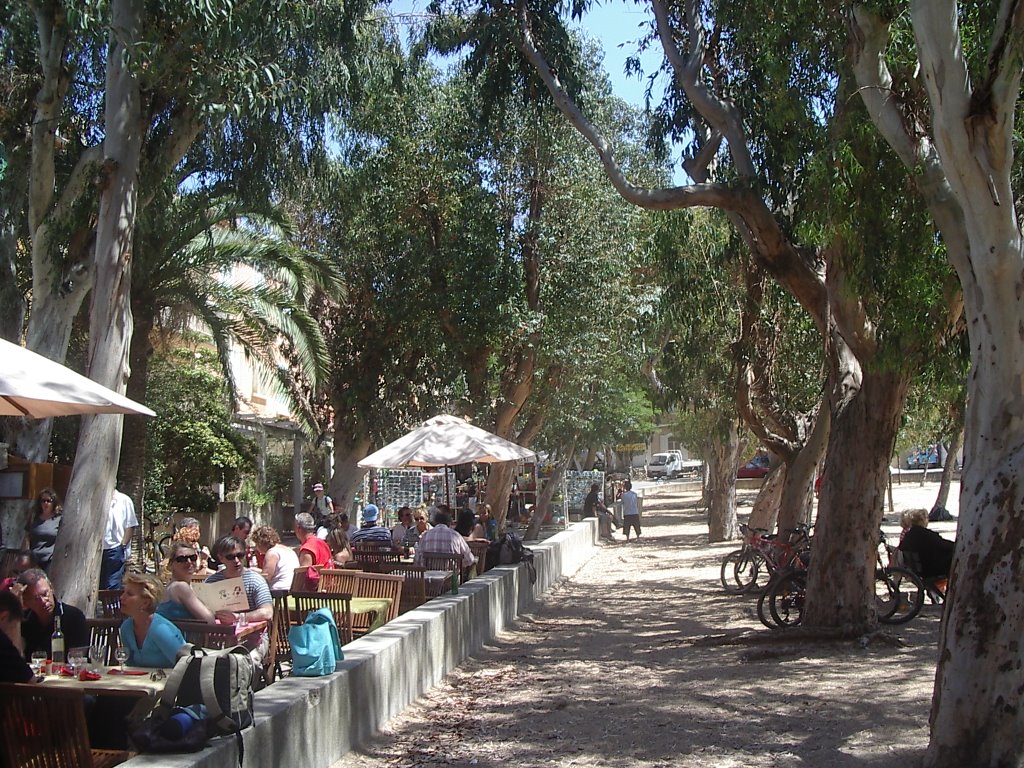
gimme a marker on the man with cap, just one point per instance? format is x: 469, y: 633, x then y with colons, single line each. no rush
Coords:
x: 321, y: 508
x: 370, y: 530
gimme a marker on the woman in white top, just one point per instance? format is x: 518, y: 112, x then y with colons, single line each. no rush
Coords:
x: 279, y: 561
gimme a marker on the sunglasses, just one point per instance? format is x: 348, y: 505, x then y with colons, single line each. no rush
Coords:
x: 234, y: 555
x: 186, y: 558
x: 46, y: 501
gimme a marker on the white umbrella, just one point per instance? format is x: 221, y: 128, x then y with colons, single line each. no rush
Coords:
x: 34, y: 386
x: 445, y: 440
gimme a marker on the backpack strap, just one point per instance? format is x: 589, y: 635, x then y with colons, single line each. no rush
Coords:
x: 207, y: 674
x: 169, y: 695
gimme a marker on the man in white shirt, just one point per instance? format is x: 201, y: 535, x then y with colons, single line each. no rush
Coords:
x: 121, y: 524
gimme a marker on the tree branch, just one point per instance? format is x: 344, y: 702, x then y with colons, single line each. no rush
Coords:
x: 720, y: 114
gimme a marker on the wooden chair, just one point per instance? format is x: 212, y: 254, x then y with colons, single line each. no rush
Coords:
x: 207, y: 635
x: 110, y: 601
x: 300, y: 580
x: 353, y: 565
x: 339, y: 603
x: 382, y: 585
x: 437, y: 561
x: 105, y: 632
x: 279, y: 650
x: 479, y: 548
x: 339, y: 580
x: 44, y: 727
x: 375, y: 560
x: 414, y: 590
x: 371, y: 546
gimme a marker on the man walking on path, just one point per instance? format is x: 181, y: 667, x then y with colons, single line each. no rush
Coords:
x: 630, y: 510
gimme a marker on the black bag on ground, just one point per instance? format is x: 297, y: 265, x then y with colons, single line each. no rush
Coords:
x: 509, y: 550
x: 215, y: 688
x: 940, y: 514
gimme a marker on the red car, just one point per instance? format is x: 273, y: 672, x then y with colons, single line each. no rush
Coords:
x: 756, y: 467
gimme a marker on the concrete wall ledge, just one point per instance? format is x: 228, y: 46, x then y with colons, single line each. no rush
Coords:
x: 315, y: 721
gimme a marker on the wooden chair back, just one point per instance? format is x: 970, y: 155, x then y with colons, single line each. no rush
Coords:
x: 414, y: 589
x: 436, y: 561
x: 279, y: 650
x: 375, y: 560
x: 370, y: 546
x: 353, y: 565
x: 207, y: 635
x: 339, y: 580
x: 110, y: 602
x: 339, y: 603
x: 44, y: 727
x: 105, y: 632
x: 479, y: 548
x: 382, y: 585
x: 300, y: 580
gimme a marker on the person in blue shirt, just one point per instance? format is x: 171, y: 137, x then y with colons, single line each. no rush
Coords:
x: 151, y: 640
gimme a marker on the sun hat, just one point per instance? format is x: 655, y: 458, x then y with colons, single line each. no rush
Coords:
x: 370, y: 513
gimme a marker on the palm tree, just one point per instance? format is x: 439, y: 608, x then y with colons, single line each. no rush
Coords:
x: 233, y: 268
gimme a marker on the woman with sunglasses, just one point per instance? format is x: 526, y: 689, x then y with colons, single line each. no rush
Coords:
x: 41, y: 531
x: 180, y: 602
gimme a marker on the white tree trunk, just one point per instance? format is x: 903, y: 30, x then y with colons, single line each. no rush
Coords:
x: 723, y: 459
x: 76, y: 564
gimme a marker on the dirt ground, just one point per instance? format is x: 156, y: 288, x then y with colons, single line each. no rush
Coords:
x: 628, y: 662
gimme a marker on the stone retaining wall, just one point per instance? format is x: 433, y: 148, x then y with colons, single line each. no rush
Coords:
x: 313, y: 722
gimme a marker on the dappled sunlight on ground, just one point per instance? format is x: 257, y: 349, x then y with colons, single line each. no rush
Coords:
x: 635, y: 661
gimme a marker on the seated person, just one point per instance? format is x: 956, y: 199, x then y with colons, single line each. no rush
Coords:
x: 241, y: 529
x: 42, y: 610
x: 188, y: 532
x: 23, y: 562
x: 151, y: 640
x: 279, y: 561
x: 931, y: 556
x: 314, y: 552
x: 231, y: 552
x: 486, y: 526
x: 180, y: 601
x: 400, y: 531
x: 442, y: 539
x: 337, y: 540
x: 13, y: 667
x: 370, y: 532
x: 465, y: 522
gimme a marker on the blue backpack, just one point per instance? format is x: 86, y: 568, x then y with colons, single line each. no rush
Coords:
x: 316, y: 647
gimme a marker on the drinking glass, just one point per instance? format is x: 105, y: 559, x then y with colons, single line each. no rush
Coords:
x: 77, y: 659
x: 97, y: 656
x: 121, y: 654
x: 38, y: 662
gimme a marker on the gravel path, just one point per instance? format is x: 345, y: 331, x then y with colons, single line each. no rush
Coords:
x: 640, y: 659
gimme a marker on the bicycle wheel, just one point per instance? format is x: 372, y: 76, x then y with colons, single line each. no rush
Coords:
x: 899, y: 595
x: 786, y: 598
x: 740, y: 570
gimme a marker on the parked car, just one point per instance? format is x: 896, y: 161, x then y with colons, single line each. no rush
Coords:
x: 756, y: 467
x: 665, y: 465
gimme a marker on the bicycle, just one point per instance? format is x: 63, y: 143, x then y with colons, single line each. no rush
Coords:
x: 899, y: 593
x: 762, y: 554
x: 153, y: 548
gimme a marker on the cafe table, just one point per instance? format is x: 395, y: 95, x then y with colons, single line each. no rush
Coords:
x: 137, y: 682
x: 375, y: 609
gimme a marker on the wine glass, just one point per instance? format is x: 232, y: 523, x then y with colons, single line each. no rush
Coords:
x: 121, y: 654
x: 76, y: 660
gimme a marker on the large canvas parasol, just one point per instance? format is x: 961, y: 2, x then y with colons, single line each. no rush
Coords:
x: 34, y: 386
x: 444, y: 441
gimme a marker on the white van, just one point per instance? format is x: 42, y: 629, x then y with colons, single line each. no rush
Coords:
x: 665, y: 465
